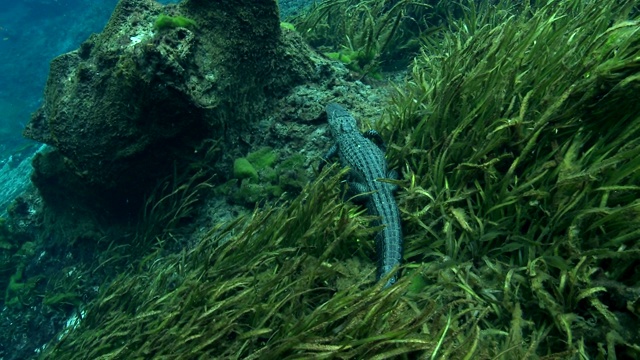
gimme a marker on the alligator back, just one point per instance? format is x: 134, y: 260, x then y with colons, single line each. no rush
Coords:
x: 367, y: 164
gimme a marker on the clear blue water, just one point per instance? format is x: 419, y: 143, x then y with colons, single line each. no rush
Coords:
x: 32, y: 32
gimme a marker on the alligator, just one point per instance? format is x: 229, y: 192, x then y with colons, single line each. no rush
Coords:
x: 363, y: 154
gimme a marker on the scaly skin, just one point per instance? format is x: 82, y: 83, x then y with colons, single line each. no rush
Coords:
x: 367, y: 164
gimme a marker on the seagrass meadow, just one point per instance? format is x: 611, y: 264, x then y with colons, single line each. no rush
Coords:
x: 517, y: 136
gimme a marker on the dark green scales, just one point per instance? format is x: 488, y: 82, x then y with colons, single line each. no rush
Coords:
x: 364, y: 155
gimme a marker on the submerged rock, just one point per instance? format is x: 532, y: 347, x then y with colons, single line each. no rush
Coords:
x: 122, y: 108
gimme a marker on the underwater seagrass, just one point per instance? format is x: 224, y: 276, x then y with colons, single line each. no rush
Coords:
x: 519, y: 139
x: 372, y: 35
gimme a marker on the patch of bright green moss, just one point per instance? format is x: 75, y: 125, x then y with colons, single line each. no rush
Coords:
x: 287, y: 26
x: 361, y: 62
x: 338, y: 56
x: 418, y: 284
x: 243, y: 169
x: 263, y: 177
x: 166, y: 22
x: 262, y: 158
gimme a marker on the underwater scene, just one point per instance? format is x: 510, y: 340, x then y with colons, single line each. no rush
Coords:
x: 334, y: 179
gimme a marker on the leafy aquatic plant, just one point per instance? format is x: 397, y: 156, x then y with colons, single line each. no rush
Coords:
x: 520, y: 140
x: 368, y: 35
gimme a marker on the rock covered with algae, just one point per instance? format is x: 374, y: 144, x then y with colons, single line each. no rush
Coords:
x: 129, y: 100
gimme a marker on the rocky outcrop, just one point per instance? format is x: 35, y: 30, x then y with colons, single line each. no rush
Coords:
x: 124, y: 107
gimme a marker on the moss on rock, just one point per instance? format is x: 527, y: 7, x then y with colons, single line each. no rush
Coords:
x: 243, y: 169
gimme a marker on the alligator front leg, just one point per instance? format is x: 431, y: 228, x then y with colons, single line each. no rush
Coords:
x: 331, y: 153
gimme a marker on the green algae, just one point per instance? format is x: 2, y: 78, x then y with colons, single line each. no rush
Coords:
x: 262, y: 158
x: 287, y: 26
x: 243, y: 169
x: 167, y: 22
x: 263, y: 177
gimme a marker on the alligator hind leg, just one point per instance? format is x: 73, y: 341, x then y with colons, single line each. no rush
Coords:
x: 357, y: 192
x: 392, y: 175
